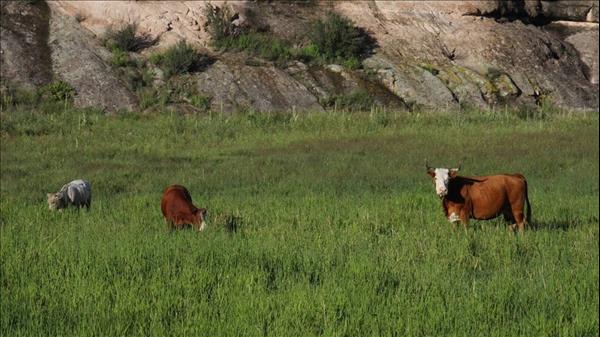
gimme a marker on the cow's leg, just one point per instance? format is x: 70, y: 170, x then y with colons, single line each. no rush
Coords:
x: 169, y: 224
x: 519, y: 220
x: 465, y: 224
x: 508, y: 217
x: 464, y: 218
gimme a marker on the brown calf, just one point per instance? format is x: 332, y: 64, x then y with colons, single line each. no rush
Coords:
x: 178, y: 210
x: 482, y: 198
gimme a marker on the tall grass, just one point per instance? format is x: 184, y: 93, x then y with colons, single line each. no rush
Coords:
x: 339, y: 232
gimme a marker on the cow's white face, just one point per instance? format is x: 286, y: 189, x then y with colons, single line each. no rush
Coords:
x: 441, y: 177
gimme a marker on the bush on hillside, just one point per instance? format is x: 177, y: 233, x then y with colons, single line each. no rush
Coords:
x: 178, y: 59
x: 127, y: 39
x: 57, y: 91
x: 259, y: 44
x: 337, y: 39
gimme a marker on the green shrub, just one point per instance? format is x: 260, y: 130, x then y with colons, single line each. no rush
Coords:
x: 123, y: 39
x: 260, y: 45
x: 201, y: 102
x: 120, y: 59
x: 146, y: 98
x: 276, y: 50
x: 352, y: 63
x: 138, y: 78
x: 178, y: 59
x: 57, y: 91
x: 337, y: 39
x: 11, y: 95
x: 127, y: 39
x: 155, y: 58
x: 176, y: 90
x: 307, y: 53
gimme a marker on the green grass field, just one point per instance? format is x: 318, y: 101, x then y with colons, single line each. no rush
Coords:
x: 339, y: 231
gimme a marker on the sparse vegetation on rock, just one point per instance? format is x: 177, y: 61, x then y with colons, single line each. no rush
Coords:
x: 57, y: 91
x: 178, y: 59
x: 332, y: 40
x: 337, y: 40
x: 220, y: 22
x: 127, y: 39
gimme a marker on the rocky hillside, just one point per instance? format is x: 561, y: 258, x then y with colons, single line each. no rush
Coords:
x: 429, y: 54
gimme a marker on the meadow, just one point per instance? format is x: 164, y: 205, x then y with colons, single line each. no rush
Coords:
x: 320, y: 224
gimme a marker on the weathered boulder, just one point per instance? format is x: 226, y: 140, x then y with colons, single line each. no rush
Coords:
x: 570, y: 10
x: 233, y: 85
x: 530, y: 59
x: 78, y: 59
x: 24, y: 54
x: 583, y: 37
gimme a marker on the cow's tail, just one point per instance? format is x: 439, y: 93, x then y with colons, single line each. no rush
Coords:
x: 528, y: 218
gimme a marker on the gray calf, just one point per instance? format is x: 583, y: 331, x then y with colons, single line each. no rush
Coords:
x: 77, y: 193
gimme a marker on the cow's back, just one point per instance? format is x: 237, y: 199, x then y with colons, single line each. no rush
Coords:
x: 498, y: 181
x: 176, y: 201
x: 490, y: 194
x: 77, y: 192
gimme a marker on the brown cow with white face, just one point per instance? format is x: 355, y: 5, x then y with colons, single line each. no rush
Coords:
x: 483, y: 197
x: 178, y: 210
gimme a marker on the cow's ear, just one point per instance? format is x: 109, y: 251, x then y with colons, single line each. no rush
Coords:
x: 431, y: 173
x: 453, y: 172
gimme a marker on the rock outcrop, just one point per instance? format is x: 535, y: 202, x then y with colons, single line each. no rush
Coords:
x: 79, y: 60
x: 24, y: 52
x: 433, y: 54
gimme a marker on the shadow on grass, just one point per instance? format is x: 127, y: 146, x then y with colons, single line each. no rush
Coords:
x: 562, y: 224
x: 565, y: 224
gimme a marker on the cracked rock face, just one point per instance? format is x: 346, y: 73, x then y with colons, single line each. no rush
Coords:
x: 506, y: 60
x: 79, y: 60
x: 24, y: 54
x: 433, y: 54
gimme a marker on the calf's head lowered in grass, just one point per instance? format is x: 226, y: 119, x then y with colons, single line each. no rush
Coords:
x: 179, y: 211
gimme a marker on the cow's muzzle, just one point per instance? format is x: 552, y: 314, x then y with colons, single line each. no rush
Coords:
x: 453, y: 217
